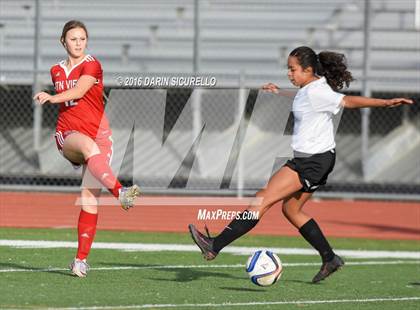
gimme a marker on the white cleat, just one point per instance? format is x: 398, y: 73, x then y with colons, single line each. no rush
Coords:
x: 79, y: 267
x: 128, y: 195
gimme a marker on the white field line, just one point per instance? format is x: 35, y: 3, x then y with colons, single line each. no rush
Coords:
x: 156, y: 247
x: 242, y: 304
x: 197, y: 202
x: 214, y: 266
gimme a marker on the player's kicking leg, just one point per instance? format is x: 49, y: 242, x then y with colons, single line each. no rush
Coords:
x: 281, y: 185
x: 205, y: 243
x: 96, y: 155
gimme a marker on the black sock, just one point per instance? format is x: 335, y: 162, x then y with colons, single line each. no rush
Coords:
x: 234, y: 230
x: 313, y: 234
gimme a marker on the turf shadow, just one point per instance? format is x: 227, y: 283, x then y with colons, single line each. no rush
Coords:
x: 414, y: 283
x: 181, y: 274
x: 107, y: 264
x: 298, y: 281
x: 24, y: 267
x: 243, y: 289
x: 188, y: 275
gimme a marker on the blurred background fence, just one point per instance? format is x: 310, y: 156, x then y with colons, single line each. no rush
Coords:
x: 243, y: 44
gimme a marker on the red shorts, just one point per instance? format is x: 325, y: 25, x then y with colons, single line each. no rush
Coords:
x: 104, y: 144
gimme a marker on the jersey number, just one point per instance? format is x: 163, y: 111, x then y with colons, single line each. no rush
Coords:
x: 70, y: 103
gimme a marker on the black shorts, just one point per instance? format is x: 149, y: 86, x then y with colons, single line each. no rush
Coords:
x: 313, y: 170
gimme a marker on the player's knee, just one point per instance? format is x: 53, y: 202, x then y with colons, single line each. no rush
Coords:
x: 90, y: 209
x: 288, y: 211
x: 261, y: 209
x: 260, y: 194
x: 89, y: 197
x: 266, y: 199
x: 90, y: 148
x: 284, y: 210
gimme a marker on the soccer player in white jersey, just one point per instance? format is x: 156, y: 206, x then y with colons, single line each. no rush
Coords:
x: 319, y: 78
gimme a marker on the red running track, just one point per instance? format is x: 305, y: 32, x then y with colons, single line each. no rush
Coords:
x: 339, y: 218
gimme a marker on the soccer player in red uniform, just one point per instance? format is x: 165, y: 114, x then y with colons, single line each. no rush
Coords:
x: 83, y: 135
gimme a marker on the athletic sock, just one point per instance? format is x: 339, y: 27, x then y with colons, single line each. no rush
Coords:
x: 234, y: 230
x: 98, y: 166
x: 86, y: 233
x: 313, y: 234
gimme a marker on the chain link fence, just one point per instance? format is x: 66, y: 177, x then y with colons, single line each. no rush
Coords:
x: 171, y: 114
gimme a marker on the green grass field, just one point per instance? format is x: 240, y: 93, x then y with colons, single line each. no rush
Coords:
x: 33, y: 278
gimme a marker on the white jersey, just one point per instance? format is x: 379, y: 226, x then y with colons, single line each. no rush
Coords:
x: 313, y: 109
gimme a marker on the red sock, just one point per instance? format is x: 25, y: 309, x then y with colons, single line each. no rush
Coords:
x: 86, y: 233
x: 100, y: 169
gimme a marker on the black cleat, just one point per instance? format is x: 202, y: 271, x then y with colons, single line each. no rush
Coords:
x: 328, y: 268
x: 204, y: 243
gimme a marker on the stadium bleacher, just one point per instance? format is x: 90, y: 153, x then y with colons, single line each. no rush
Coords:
x: 236, y: 37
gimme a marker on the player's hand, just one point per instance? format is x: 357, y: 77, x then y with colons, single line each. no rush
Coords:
x: 395, y: 102
x: 42, y: 97
x: 270, y: 87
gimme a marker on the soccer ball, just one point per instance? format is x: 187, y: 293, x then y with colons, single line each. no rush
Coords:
x: 264, y: 268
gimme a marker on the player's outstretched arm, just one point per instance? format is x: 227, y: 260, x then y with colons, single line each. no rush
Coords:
x: 273, y: 88
x: 270, y: 87
x: 354, y: 102
x: 84, y: 83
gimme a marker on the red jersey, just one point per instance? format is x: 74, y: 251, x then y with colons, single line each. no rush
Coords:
x: 87, y: 114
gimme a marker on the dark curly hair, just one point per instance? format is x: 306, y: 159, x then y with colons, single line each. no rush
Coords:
x: 331, y: 65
